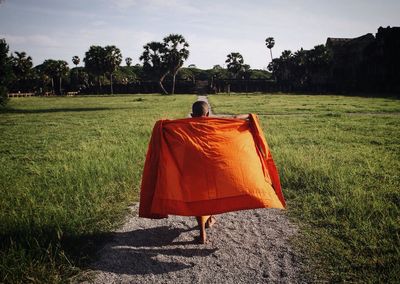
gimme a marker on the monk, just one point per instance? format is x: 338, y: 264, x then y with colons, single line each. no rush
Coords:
x: 202, y: 166
x: 201, y: 109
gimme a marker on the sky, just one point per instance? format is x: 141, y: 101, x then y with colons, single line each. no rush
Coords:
x: 60, y: 29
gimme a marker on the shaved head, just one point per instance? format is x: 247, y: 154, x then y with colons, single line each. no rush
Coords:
x: 200, y: 108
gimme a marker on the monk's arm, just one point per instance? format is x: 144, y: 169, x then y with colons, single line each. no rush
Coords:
x: 237, y: 116
x: 241, y: 116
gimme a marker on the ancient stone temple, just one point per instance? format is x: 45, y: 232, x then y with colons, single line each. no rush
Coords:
x: 366, y: 63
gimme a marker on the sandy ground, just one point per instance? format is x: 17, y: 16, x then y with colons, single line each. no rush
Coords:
x: 250, y: 246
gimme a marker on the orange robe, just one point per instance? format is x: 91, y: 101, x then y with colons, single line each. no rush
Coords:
x: 205, y: 165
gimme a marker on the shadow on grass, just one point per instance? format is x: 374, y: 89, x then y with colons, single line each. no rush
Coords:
x: 143, y: 251
x: 136, y: 252
x: 382, y: 95
x: 55, y: 110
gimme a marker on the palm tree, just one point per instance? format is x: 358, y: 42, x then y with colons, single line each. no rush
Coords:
x: 113, y: 59
x: 153, y: 64
x: 318, y: 58
x: 286, y: 68
x: 62, y: 70
x: 176, y: 52
x: 286, y: 54
x: 235, y: 63
x: 270, y: 43
x: 245, y: 72
x: 5, y: 72
x: 22, y: 65
x: 128, y: 61
x: 299, y: 67
x: 76, y: 60
x: 94, y: 62
x: 55, y: 69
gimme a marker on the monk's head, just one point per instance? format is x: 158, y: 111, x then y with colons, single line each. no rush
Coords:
x: 199, y: 109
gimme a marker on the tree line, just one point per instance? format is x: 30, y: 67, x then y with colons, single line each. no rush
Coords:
x: 299, y: 69
x: 161, y: 60
x: 364, y: 64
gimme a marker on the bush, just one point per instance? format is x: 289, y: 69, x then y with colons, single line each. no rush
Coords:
x: 3, y: 96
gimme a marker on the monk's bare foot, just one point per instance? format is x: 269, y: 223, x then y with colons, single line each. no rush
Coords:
x: 203, y: 236
x: 204, y: 222
x: 210, y: 221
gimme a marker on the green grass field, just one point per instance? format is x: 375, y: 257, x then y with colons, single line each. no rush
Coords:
x: 70, y: 167
x: 339, y: 162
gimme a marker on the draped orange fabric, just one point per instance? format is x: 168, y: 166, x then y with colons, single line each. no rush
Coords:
x: 206, y: 165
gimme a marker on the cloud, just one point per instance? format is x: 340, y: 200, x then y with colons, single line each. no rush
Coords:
x: 178, y: 6
x: 129, y: 41
x: 35, y: 40
x: 98, y: 23
x: 212, y: 28
x: 206, y: 51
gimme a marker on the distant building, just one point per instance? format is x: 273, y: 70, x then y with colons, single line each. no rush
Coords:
x: 385, y: 57
x: 348, y: 55
x: 366, y: 63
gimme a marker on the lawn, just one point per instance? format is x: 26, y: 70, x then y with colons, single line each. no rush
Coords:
x: 69, y: 168
x: 339, y: 163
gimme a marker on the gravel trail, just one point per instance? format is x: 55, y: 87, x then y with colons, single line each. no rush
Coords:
x: 250, y: 246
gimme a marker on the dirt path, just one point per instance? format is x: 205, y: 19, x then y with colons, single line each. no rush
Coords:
x: 250, y: 246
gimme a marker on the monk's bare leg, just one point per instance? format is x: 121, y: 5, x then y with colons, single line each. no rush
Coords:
x: 210, y: 221
x: 202, y: 220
